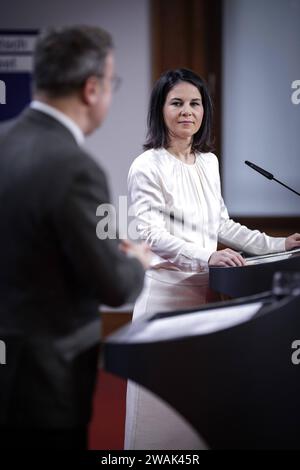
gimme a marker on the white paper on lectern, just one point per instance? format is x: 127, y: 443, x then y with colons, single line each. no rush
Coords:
x: 270, y: 258
x: 192, y: 324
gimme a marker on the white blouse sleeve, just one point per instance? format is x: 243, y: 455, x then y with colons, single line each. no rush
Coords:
x: 147, y: 197
x: 239, y: 237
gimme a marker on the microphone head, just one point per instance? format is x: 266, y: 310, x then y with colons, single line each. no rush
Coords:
x: 259, y: 170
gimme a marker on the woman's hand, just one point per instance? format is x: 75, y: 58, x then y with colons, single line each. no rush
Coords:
x: 226, y: 257
x: 293, y: 241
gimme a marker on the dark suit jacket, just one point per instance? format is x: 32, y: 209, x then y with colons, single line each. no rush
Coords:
x: 54, y: 273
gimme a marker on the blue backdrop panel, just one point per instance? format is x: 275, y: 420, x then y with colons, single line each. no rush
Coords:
x: 16, y: 60
x: 18, y: 94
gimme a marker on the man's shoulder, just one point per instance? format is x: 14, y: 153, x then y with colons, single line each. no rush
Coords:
x: 5, y: 127
x: 55, y: 147
x: 71, y: 167
x: 73, y: 174
x: 75, y: 159
x: 46, y: 155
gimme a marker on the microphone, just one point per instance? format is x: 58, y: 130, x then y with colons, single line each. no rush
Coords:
x: 260, y: 170
x: 268, y: 175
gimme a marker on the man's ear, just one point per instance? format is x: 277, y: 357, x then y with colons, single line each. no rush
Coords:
x: 90, y: 90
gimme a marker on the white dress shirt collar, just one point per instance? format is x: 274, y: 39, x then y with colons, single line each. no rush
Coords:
x: 61, y: 117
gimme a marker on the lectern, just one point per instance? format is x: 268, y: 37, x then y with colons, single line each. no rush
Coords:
x: 253, y: 278
x: 227, y: 369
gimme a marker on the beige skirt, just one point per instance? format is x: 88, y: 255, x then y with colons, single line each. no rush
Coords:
x: 150, y: 422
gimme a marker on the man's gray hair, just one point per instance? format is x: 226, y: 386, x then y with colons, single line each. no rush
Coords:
x: 65, y: 58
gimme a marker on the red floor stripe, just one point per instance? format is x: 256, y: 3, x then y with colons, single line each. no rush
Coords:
x: 107, y: 425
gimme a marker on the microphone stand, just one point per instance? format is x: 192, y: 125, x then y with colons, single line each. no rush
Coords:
x: 268, y: 175
x: 282, y: 184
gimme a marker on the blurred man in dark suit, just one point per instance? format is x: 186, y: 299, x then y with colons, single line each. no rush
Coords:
x: 54, y: 270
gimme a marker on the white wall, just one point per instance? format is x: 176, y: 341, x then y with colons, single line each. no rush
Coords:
x: 122, y: 135
x: 260, y: 123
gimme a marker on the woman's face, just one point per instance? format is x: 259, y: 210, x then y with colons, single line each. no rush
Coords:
x: 183, y: 111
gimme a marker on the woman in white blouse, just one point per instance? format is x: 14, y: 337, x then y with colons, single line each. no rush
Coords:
x: 178, y: 175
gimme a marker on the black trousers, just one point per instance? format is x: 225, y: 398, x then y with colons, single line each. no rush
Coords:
x: 60, y: 439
